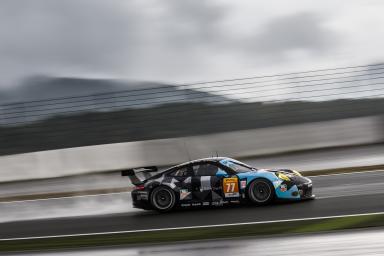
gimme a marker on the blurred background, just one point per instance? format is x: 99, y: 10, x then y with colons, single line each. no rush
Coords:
x: 88, y: 88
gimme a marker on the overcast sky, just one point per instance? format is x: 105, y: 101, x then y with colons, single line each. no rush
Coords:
x: 185, y: 40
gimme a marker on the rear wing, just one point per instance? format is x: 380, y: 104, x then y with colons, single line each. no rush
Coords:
x: 139, y: 175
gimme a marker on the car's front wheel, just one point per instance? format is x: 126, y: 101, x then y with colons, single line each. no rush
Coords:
x: 163, y: 199
x: 261, y: 192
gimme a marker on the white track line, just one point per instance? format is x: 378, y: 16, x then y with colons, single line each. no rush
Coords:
x: 192, y: 227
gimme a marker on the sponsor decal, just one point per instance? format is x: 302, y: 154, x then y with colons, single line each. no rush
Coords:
x: 217, y: 203
x: 206, y: 203
x: 185, y: 205
x: 185, y: 194
x: 283, y: 187
x: 243, y: 184
x: 232, y: 194
x: 231, y: 187
x: 196, y: 204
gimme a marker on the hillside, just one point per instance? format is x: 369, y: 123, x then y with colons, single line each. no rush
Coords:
x: 173, y: 120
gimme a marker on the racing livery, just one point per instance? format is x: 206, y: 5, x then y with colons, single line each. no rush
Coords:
x: 214, y: 182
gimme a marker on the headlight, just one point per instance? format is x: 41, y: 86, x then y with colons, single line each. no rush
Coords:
x: 283, y: 176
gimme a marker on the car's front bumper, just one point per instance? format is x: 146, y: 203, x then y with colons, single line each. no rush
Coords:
x: 296, y: 188
x: 305, y: 191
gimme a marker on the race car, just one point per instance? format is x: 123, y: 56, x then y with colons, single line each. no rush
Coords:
x: 214, y: 181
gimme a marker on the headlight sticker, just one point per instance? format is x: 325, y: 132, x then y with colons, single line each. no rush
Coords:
x: 283, y: 176
x: 296, y: 172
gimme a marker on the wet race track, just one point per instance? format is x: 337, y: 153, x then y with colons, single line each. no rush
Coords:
x: 336, y: 195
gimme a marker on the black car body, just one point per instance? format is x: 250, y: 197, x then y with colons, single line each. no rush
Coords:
x: 214, y: 182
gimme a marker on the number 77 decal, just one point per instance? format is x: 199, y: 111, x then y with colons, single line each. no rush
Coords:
x: 231, y: 187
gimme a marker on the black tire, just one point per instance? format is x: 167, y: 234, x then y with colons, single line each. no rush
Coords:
x: 261, y: 192
x: 163, y: 199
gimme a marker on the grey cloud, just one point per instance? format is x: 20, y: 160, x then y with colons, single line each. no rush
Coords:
x: 137, y: 39
x: 102, y: 36
x: 194, y: 22
x: 302, y: 31
x: 66, y: 33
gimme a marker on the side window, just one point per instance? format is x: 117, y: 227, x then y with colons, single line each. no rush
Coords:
x: 181, y: 172
x: 239, y: 168
x: 205, y: 169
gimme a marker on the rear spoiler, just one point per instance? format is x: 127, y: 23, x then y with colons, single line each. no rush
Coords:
x: 140, y: 174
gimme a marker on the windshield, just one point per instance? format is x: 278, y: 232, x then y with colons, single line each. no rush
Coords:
x: 239, y: 167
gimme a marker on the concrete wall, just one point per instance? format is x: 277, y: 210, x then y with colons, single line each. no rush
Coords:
x: 71, y: 161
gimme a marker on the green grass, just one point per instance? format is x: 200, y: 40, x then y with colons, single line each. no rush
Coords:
x: 150, y: 237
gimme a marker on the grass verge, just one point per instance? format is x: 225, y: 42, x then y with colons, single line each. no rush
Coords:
x: 199, y: 233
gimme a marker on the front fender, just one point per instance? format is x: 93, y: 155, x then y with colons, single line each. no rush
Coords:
x: 281, y: 189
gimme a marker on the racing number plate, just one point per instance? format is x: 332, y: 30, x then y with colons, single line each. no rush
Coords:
x: 231, y: 187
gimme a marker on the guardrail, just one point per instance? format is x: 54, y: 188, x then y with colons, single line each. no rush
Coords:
x: 246, y: 143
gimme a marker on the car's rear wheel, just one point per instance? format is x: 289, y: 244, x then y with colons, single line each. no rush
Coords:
x: 163, y: 199
x: 261, y: 192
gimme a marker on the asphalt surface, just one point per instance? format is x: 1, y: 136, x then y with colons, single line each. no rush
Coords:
x: 337, y: 195
x: 302, y: 161
x: 362, y: 242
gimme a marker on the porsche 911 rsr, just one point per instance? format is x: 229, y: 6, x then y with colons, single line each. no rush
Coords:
x: 214, y: 182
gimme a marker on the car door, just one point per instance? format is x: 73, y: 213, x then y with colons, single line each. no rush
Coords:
x: 230, y: 183
x: 206, y: 184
